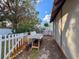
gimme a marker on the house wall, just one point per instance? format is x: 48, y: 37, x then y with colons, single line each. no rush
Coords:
x: 70, y: 29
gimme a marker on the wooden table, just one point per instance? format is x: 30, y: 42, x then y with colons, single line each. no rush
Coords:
x: 37, y: 37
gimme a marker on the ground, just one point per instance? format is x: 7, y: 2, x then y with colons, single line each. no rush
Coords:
x: 49, y: 50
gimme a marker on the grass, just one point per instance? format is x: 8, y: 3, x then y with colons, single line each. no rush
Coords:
x: 34, y: 54
x: 2, y: 50
x: 2, y: 53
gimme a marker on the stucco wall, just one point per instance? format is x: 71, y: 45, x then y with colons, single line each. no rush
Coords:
x: 70, y: 29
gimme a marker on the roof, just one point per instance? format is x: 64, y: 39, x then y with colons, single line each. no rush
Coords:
x: 57, y: 7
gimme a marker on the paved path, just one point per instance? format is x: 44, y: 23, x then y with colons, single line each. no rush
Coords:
x: 49, y: 50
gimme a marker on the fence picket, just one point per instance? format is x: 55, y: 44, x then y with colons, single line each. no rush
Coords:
x: 9, y: 45
x: 0, y: 46
x: 12, y: 41
x: 5, y: 47
x: 16, y: 40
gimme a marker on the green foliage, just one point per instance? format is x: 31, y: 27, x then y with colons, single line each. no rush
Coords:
x: 26, y: 26
x: 46, y: 24
x: 16, y: 12
x: 39, y: 30
x: 34, y: 54
x: 2, y: 24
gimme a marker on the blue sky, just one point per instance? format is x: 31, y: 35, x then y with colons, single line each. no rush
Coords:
x: 44, y: 7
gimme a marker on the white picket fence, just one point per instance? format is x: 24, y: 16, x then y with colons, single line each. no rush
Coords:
x: 8, y: 43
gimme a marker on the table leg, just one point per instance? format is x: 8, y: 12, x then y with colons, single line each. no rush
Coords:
x: 38, y: 45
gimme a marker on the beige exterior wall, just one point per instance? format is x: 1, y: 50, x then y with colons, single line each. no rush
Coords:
x: 70, y: 29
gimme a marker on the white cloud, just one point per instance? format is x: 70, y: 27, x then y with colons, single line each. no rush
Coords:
x: 37, y: 1
x: 46, y: 18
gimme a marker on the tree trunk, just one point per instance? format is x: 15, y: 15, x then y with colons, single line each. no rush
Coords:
x: 14, y: 27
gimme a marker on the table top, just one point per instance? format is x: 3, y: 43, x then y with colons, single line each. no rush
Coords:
x: 35, y: 36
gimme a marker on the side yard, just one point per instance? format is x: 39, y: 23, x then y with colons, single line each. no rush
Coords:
x: 48, y: 50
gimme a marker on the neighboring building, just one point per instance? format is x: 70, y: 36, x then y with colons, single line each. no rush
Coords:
x: 66, y: 27
x: 5, y: 31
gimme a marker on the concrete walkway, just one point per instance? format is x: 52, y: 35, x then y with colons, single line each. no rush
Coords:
x: 50, y: 49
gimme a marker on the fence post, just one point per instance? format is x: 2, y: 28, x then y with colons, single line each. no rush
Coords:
x: 0, y: 46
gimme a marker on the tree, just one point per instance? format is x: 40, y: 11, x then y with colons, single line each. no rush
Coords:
x: 17, y: 11
x: 46, y: 24
x: 27, y: 26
